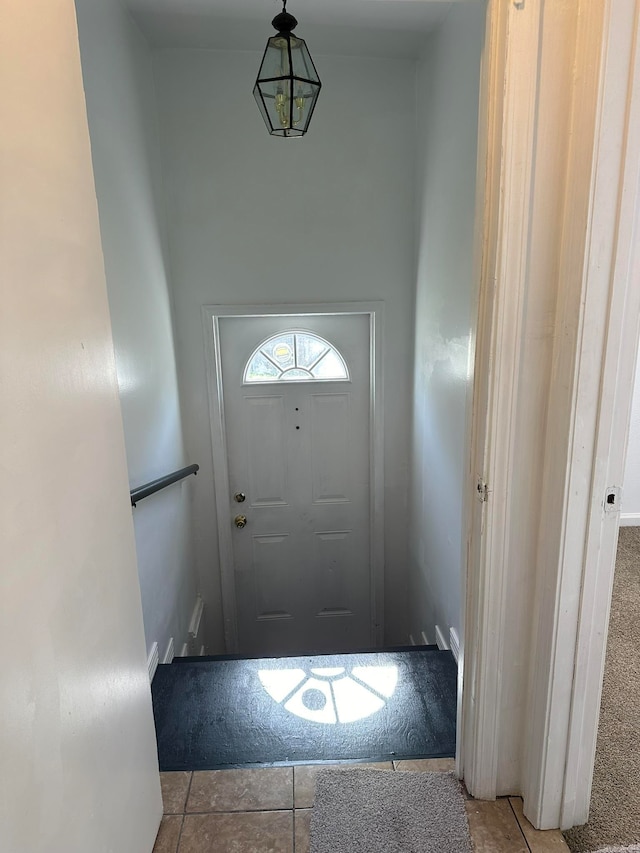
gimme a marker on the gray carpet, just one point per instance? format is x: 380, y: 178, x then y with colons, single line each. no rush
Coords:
x: 401, y: 812
x: 635, y: 848
x: 614, y: 819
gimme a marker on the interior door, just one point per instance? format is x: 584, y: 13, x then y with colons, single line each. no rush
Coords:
x: 296, y: 392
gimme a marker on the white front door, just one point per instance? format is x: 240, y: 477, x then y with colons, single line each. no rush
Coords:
x: 297, y: 402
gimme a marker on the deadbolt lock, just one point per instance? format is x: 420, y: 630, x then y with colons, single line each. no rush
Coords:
x: 240, y: 521
x: 240, y: 497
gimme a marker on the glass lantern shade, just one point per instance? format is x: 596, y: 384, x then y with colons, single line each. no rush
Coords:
x: 288, y: 85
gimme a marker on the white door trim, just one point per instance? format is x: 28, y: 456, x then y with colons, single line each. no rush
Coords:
x: 589, y: 410
x: 211, y: 316
x: 603, y: 391
x: 508, y: 101
x: 595, y: 339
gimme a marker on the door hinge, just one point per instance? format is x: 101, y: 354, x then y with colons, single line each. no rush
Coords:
x: 482, y: 490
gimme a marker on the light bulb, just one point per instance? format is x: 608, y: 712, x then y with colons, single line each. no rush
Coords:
x: 281, y: 104
x: 299, y: 104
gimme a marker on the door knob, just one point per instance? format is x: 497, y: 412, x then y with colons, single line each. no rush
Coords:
x: 240, y: 521
x: 239, y: 497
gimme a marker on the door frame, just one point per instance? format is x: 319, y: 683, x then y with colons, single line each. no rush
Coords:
x: 594, y: 354
x: 211, y: 317
x: 572, y: 645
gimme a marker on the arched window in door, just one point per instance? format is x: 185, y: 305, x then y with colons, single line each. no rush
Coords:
x: 295, y: 356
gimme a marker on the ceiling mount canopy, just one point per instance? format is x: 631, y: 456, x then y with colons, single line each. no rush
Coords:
x: 288, y: 85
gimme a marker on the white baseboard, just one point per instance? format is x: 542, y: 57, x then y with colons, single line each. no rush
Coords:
x: 425, y: 639
x: 630, y: 519
x: 454, y: 643
x: 152, y: 661
x: 169, y: 654
x: 440, y: 640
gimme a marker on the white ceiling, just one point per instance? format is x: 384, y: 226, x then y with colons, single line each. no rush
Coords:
x: 376, y: 27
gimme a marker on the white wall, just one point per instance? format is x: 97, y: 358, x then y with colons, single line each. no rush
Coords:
x: 447, y: 103
x: 121, y: 104
x: 630, y: 514
x: 256, y: 219
x: 79, y: 766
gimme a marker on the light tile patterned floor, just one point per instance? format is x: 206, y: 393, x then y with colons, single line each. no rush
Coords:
x: 269, y: 811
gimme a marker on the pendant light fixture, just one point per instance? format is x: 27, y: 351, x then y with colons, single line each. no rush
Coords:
x: 288, y: 85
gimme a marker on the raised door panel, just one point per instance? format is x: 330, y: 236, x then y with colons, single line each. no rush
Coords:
x: 273, y: 593
x: 266, y: 450
x: 332, y: 562
x: 330, y: 433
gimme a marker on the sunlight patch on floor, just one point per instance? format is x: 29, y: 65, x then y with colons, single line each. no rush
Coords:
x: 330, y: 695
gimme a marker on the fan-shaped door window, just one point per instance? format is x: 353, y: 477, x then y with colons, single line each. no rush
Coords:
x: 296, y: 357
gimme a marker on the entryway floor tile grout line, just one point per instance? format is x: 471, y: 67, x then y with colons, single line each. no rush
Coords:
x: 517, y: 819
x: 293, y: 831
x: 184, y: 813
x: 180, y: 832
x: 249, y: 811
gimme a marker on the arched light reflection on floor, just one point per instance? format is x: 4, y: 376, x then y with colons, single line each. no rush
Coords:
x: 330, y: 694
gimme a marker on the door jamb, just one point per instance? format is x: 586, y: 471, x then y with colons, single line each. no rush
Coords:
x: 506, y: 139
x: 566, y: 681
x: 211, y: 316
x: 607, y: 304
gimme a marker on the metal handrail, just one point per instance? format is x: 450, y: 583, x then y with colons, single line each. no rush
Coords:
x: 155, y: 485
